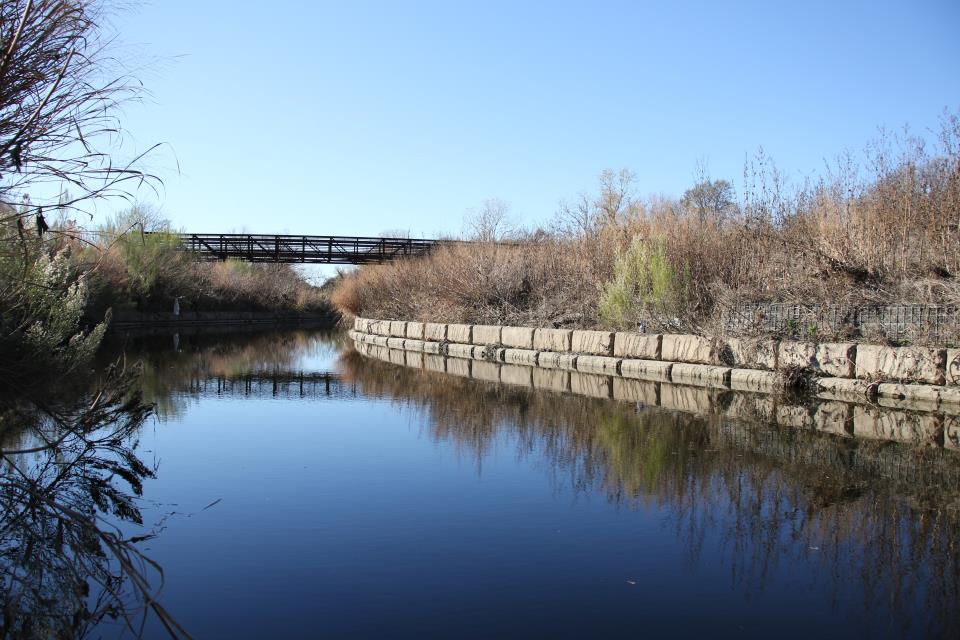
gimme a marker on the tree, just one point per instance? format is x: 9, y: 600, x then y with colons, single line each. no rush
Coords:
x: 491, y: 222
x: 710, y: 199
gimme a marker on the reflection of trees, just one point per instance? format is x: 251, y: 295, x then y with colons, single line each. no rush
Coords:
x: 69, y: 475
x: 882, y: 515
x: 168, y: 371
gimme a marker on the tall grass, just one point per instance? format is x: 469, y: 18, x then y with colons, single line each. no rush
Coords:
x: 885, y: 229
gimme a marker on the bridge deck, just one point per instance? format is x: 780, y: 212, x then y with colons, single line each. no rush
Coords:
x: 302, y: 249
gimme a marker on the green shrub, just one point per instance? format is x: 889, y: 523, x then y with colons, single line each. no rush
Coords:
x: 645, y: 286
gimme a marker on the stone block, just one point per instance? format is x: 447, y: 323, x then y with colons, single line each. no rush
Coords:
x: 794, y: 416
x: 551, y: 380
x: 754, y: 380
x: 845, y: 389
x: 560, y: 340
x: 597, y: 343
x: 951, y: 432
x: 520, y: 356
x: 395, y: 343
x: 598, y: 364
x: 380, y: 327
x: 413, y: 345
x: 516, y: 375
x: 950, y: 399
x: 796, y: 355
x: 901, y: 426
x: 459, y: 367
x: 550, y: 360
x: 458, y: 350
x: 677, y: 397
x: 489, y: 352
x: 487, y: 371
x: 922, y: 392
x: 749, y: 353
x: 414, y: 359
x: 461, y: 333
x: 834, y: 417
x: 639, y: 391
x: 431, y: 347
x: 359, y: 324
x: 434, y: 331
x: 397, y: 357
x: 591, y: 385
x: 683, y: 348
x: 435, y: 363
x: 901, y: 364
x: 837, y: 359
x: 646, y: 370
x: 398, y: 328
x: 517, y: 337
x: 381, y: 341
x: 486, y: 334
x: 907, y: 404
x: 701, y: 375
x: 415, y: 330
x: 953, y: 367
x: 641, y: 346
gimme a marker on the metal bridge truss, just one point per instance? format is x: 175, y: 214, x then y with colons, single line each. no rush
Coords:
x: 302, y: 249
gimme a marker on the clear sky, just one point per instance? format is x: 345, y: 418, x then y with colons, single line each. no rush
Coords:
x: 359, y: 117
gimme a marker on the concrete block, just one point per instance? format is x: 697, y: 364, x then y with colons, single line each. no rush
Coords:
x: 414, y: 359
x: 488, y: 352
x: 749, y: 353
x: 597, y: 343
x: 560, y: 340
x: 381, y: 341
x: 901, y: 364
x: 845, y: 389
x: 520, y: 356
x: 516, y: 375
x: 641, y: 346
x: 796, y: 355
x: 358, y: 324
x: 487, y: 371
x: 551, y: 380
x: 754, y: 380
x: 413, y: 345
x: 834, y: 417
x: 901, y: 426
x: 434, y: 331
x: 907, y: 404
x: 598, y: 364
x: 380, y: 327
x: 639, y: 391
x: 677, y: 397
x: 953, y: 367
x: 459, y: 367
x: 646, y: 370
x: 794, y: 416
x: 517, y: 337
x: 397, y: 357
x: 837, y: 359
x: 922, y: 392
x: 435, y: 363
x: 591, y: 385
x: 395, y: 343
x: 356, y: 336
x: 431, y: 347
x: 415, y: 330
x: 700, y: 375
x: 398, y: 328
x: 683, y: 348
x: 550, y: 360
x: 458, y: 350
x: 950, y: 399
x: 486, y: 334
x: 462, y: 333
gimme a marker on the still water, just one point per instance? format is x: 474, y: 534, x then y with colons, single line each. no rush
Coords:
x: 305, y: 490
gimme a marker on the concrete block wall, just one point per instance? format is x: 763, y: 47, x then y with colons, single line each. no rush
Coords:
x: 841, y: 370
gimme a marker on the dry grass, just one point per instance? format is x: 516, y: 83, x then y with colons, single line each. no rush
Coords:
x: 886, y: 230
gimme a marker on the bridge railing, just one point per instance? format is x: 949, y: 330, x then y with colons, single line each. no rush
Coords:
x: 305, y: 249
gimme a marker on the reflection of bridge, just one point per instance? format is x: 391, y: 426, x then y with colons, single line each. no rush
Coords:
x: 302, y: 249
x: 275, y: 384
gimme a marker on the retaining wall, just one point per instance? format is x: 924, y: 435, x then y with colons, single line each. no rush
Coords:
x: 925, y: 375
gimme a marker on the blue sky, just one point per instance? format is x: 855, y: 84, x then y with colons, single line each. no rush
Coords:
x: 359, y: 117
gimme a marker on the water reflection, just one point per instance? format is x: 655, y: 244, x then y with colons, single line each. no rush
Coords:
x: 882, y: 514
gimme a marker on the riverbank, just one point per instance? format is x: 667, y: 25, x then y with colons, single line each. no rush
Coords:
x: 605, y: 364
x: 127, y: 321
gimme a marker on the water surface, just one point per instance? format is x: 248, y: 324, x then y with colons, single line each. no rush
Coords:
x: 305, y: 490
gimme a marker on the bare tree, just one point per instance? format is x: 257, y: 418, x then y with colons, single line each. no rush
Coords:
x: 614, y: 203
x: 491, y: 222
x: 59, y: 98
x: 708, y: 198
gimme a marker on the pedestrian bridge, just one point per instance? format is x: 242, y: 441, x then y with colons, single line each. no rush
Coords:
x: 251, y: 247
